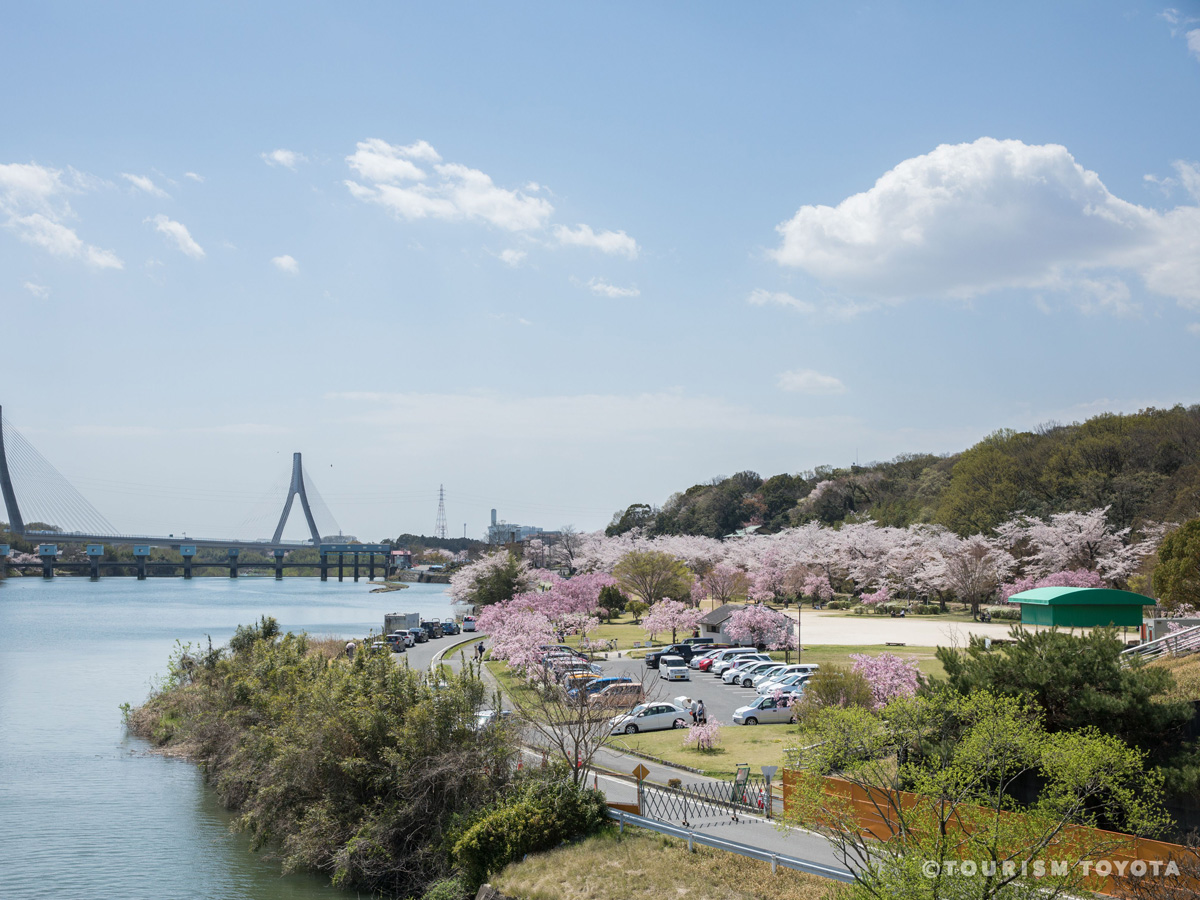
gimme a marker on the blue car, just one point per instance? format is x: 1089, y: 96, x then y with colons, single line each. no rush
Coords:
x: 580, y: 695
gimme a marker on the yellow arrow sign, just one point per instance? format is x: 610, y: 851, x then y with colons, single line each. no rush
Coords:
x: 641, y: 772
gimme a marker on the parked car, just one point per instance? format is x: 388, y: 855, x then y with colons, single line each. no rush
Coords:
x: 563, y: 648
x: 765, y: 710
x: 449, y: 626
x: 783, y: 682
x: 746, y: 665
x: 396, y: 641
x: 673, y: 668
x: 791, y: 669
x: 420, y: 635
x: 682, y: 650
x: 380, y: 647
x: 468, y: 623
x: 585, y: 692
x: 697, y: 641
x: 706, y: 653
x: 488, y: 718
x: 720, y: 668
x: 433, y: 629
x: 579, y: 668
x: 750, y: 679
x: 719, y: 661
x: 650, y: 717
x: 618, y: 696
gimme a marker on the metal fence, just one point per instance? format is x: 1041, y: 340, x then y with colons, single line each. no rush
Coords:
x: 707, y: 804
x: 708, y: 840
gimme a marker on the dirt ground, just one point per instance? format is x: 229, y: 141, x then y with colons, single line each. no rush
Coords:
x: 820, y: 627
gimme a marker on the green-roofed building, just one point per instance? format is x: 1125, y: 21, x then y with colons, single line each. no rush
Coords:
x: 1073, y: 607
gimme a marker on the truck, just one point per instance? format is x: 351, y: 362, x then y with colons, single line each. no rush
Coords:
x: 400, y: 622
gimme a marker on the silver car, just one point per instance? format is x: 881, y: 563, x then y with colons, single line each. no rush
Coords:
x: 650, y: 717
x: 765, y: 710
x: 746, y: 664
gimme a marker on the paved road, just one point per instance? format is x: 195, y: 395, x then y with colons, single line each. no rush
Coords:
x: 610, y: 763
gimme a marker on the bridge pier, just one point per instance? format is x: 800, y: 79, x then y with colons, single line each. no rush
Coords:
x: 48, y: 554
x: 188, y: 553
x: 141, y: 553
x: 324, y: 566
x: 355, y: 566
x: 279, y: 565
x: 341, y: 568
x: 233, y: 562
x: 371, y: 566
x: 94, y: 552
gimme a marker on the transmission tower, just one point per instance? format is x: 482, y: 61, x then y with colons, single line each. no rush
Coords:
x: 439, y: 530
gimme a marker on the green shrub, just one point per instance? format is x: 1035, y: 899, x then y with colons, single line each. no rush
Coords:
x: 447, y: 889
x: 539, y: 814
x: 841, y: 604
x: 927, y: 609
x: 1012, y: 613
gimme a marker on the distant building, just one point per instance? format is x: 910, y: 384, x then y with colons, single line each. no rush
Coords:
x: 402, y: 559
x: 501, y: 532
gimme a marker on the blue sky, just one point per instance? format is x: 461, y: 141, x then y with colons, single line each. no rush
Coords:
x: 564, y: 258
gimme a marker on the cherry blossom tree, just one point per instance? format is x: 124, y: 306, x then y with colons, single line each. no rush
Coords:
x: 653, y: 575
x: 672, y: 616
x: 888, y: 675
x: 725, y: 584
x: 817, y: 586
x: 1072, y: 540
x: 974, y: 568
x: 874, y: 598
x: 763, y: 627
x: 493, y: 578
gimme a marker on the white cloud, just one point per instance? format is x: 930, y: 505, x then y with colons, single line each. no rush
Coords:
x: 459, y: 192
x: 286, y: 264
x: 604, y: 289
x: 967, y: 219
x: 613, y: 242
x: 38, y: 290
x: 1193, y: 42
x: 511, y: 257
x: 178, y: 232
x: 759, y: 297
x: 33, y: 202
x: 144, y: 184
x: 194, y: 176
x: 289, y: 159
x: 809, y: 381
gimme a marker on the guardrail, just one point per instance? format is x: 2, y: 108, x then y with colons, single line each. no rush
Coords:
x: 707, y: 840
x: 1186, y: 640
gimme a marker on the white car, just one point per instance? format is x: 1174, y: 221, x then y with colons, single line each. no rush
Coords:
x: 746, y: 664
x: 650, y: 717
x: 782, y: 682
x: 673, y: 668
x: 720, y: 668
x: 766, y: 710
x: 784, y: 671
x: 745, y: 677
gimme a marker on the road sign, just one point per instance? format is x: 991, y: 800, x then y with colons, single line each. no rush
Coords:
x: 641, y: 772
x: 769, y: 772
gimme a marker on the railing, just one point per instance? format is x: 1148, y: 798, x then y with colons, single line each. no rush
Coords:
x: 707, y: 840
x: 1186, y: 640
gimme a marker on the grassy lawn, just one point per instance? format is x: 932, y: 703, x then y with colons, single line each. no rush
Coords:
x: 644, y: 865
x: 839, y: 654
x: 758, y: 745
x: 1186, y: 670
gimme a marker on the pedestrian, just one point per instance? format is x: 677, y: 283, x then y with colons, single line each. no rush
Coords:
x: 479, y: 651
x: 349, y: 649
x: 701, y: 714
x: 693, y: 706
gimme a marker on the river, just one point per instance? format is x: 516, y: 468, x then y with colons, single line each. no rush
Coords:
x: 87, y: 811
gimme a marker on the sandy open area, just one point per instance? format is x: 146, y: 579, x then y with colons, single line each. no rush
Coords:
x: 819, y: 627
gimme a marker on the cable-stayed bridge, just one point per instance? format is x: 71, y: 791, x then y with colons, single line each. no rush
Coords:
x: 43, y: 506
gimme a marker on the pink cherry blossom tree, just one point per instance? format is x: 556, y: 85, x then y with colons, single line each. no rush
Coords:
x: 763, y: 626
x: 1081, y: 578
x: 672, y: 616
x: 888, y: 675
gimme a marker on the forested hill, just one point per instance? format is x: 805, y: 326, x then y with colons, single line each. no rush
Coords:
x: 1144, y: 467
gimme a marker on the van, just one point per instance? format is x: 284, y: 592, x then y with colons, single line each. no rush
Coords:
x: 433, y: 629
x: 468, y: 623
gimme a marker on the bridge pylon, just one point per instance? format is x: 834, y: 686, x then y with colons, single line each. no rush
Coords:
x: 296, y: 489
x: 15, y: 522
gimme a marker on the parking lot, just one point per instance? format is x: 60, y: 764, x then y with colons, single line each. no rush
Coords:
x: 720, y: 699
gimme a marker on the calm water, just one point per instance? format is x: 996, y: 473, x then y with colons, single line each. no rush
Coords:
x: 85, y: 811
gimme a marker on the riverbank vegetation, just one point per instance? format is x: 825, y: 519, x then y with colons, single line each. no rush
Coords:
x: 361, y: 769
